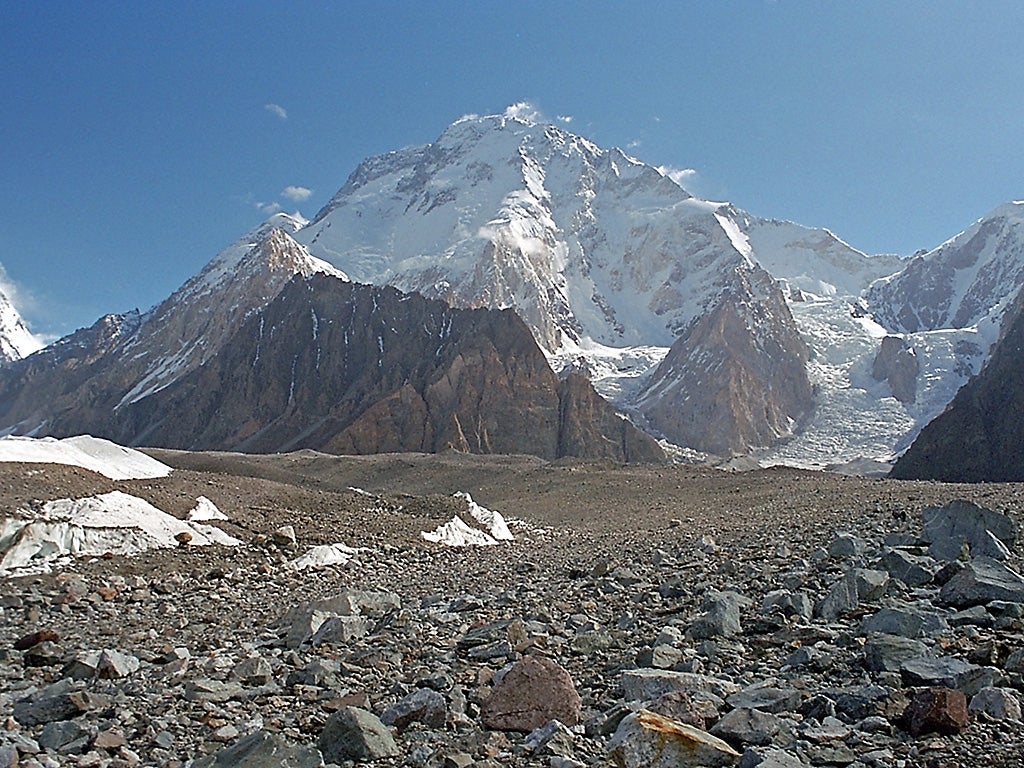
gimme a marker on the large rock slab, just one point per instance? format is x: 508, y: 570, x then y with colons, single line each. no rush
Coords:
x: 533, y: 692
x: 352, y: 733
x: 649, y: 740
x: 262, y: 750
x: 651, y: 684
x: 981, y: 581
x: 986, y: 533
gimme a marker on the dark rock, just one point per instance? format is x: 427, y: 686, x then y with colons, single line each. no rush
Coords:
x: 986, y: 533
x: 997, y: 703
x: 534, y: 691
x: 25, y: 642
x: 945, y: 671
x: 766, y: 698
x: 262, y: 750
x: 912, y: 570
x: 937, y: 710
x: 62, y: 706
x: 887, y: 653
x: 744, y: 725
x: 982, y: 581
x: 355, y: 734
x: 423, y: 705
x: 721, y: 618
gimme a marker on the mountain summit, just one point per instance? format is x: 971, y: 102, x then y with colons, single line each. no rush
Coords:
x: 709, y: 327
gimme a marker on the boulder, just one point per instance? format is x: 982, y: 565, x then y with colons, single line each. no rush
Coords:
x: 887, y: 653
x: 912, y: 570
x: 352, y: 733
x: 982, y: 581
x: 262, y: 750
x: 422, y: 705
x: 745, y: 725
x: 648, y: 740
x: 649, y: 684
x: 997, y: 703
x: 533, y: 692
x: 986, y: 533
x: 721, y: 617
x: 937, y: 710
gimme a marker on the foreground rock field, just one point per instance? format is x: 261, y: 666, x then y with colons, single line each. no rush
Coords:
x: 643, y: 616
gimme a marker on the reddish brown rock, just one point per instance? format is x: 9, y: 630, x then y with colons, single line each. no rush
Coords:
x: 531, y: 694
x: 937, y: 710
x: 25, y: 642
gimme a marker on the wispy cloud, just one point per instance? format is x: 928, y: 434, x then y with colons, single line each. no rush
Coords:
x: 525, y: 111
x: 687, y: 178
x: 267, y: 209
x: 296, y: 194
x: 276, y: 109
x: 634, y: 144
x: 564, y: 119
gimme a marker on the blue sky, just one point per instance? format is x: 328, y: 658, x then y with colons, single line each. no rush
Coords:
x: 139, y: 138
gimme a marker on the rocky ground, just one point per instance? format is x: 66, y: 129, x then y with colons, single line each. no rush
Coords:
x: 663, y: 616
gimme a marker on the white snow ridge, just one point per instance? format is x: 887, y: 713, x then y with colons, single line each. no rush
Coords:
x: 92, y: 453
x: 115, y: 523
x: 487, y: 528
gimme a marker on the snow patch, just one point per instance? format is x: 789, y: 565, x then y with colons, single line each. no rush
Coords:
x: 116, y: 523
x: 92, y: 453
x: 205, y: 510
x: 487, y: 528
x: 325, y: 555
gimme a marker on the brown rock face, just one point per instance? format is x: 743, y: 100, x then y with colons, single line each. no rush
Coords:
x: 937, y: 710
x: 347, y: 368
x: 737, y: 379
x: 535, y: 691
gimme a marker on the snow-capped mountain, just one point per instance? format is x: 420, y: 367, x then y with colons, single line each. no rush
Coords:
x: 16, y: 341
x: 603, y: 256
x: 970, y: 280
x: 713, y: 328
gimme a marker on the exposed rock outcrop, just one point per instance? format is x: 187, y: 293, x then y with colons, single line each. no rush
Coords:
x: 896, y: 363
x: 737, y: 379
x: 347, y: 368
x: 978, y: 437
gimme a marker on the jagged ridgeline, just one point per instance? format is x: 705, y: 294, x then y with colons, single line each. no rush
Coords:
x: 711, y: 328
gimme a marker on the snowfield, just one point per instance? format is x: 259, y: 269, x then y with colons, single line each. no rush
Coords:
x: 92, y: 453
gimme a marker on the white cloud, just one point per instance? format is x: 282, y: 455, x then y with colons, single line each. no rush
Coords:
x: 634, y: 144
x: 267, y: 209
x: 276, y: 109
x: 296, y: 194
x: 525, y: 111
x: 687, y: 178
x: 565, y: 119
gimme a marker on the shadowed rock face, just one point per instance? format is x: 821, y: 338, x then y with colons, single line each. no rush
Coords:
x: 896, y: 362
x: 348, y: 368
x: 978, y: 438
x: 724, y: 389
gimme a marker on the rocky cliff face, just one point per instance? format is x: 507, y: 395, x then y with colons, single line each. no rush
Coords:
x: 978, y: 438
x: 736, y: 379
x: 347, y: 368
x: 80, y: 380
x: 896, y: 363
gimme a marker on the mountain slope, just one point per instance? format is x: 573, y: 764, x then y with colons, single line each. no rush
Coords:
x: 595, y: 250
x: 349, y: 368
x: 978, y: 437
x: 82, y: 378
x: 16, y: 341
